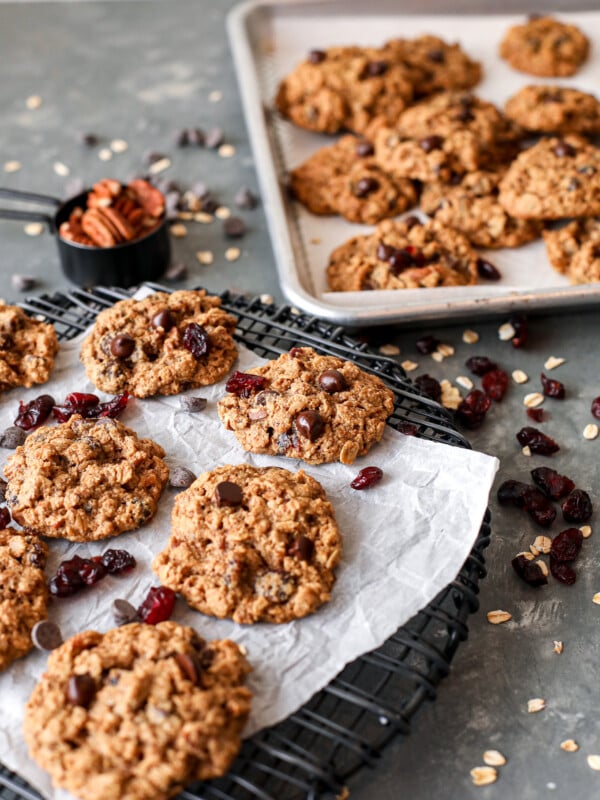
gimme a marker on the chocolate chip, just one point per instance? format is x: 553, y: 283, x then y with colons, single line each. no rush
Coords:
x: 430, y: 143
x: 563, y: 149
x: 464, y: 115
x: 181, y: 478
x: 6, y: 341
x: 89, y: 139
x: 385, y: 251
x: 122, y: 346
x: 81, y: 690
x: 123, y: 612
x: 163, y: 319
x: 303, y: 548
x: 317, y: 56
x: 214, y: 138
x: 332, y: 381
x: 22, y: 283
x: 244, y: 198
x: 11, y: 438
x: 437, y: 56
x: 2, y: 490
x: 573, y: 185
x: 234, y: 228
x: 411, y: 221
x: 374, y: 68
x: 310, y: 424
x: 364, y: 148
x: 190, y: 665
x: 365, y: 187
x: 487, y: 270
x: 176, y: 272
x: 193, y: 404
x: 181, y: 138
x: 399, y: 261
x: 46, y: 635
x: 228, y: 494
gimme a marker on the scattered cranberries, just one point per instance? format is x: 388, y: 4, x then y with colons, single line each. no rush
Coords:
x: 577, y: 507
x: 521, y: 331
x: 34, y: 413
x: 473, y: 408
x: 75, y: 573
x: 495, y: 384
x: 596, y: 407
x: 243, y: 384
x: 479, y: 365
x: 566, y: 545
x: 514, y: 492
x: 562, y: 572
x: 118, y: 561
x: 487, y: 271
x: 537, y: 441
x: 89, y: 406
x: 427, y: 344
x: 158, y: 605
x: 551, y: 483
x: 196, y: 340
x: 429, y: 386
x: 536, y: 414
x: 367, y: 477
x: 4, y: 517
x: 529, y: 571
x: 552, y: 388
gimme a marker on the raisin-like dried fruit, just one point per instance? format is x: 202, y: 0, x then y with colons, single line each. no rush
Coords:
x: 537, y: 441
x: 577, y: 507
x: 539, y: 508
x: 429, y: 386
x: 487, y: 271
x: 562, y: 572
x: 408, y: 428
x: 473, y: 408
x: 158, y: 605
x: 112, y: 408
x: 536, y: 414
x: 566, y: 545
x: 427, y: 344
x: 35, y: 413
x: 4, y: 517
x: 91, y: 571
x: 367, y: 477
x: 552, y: 388
x: 243, y: 384
x: 495, y: 384
x: 529, y: 571
x: 521, y: 328
x: 479, y: 365
x: 512, y: 492
x: 196, y: 340
x: 118, y: 561
x: 596, y: 407
x: 551, y: 483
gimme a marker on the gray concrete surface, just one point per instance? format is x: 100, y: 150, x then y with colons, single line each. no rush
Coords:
x: 140, y: 71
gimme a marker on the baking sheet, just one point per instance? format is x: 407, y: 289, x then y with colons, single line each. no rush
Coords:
x: 268, y: 40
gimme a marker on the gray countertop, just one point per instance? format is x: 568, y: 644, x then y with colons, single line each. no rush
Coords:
x: 141, y: 71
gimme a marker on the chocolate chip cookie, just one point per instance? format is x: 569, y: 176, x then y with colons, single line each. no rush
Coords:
x: 403, y: 254
x: 553, y: 179
x: 554, y: 109
x: 575, y: 250
x: 27, y: 348
x: 544, y: 46
x: 23, y: 592
x: 470, y: 205
x: 163, y: 344
x: 138, y: 712
x: 255, y: 545
x: 85, y: 480
x: 305, y: 405
x: 345, y: 179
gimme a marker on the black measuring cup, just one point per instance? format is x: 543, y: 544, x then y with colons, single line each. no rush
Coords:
x: 125, y: 264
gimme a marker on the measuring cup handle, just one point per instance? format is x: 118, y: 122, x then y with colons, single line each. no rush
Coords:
x: 28, y: 216
x: 29, y: 197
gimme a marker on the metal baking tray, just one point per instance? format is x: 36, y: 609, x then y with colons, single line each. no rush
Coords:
x: 267, y: 38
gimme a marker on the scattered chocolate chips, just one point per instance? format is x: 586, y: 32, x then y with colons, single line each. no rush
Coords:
x: 487, y: 271
x: 45, y: 635
x: 429, y: 386
x: 11, y: 438
x: 365, y: 187
x: 81, y: 690
x: 122, y: 346
x: 228, y: 494
x: 193, y: 404
x: 244, y: 198
x: 123, y: 612
x: 364, y: 148
x: 89, y: 139
x: 181, y: 478
x: 302, y: 548
x: 234, y: 228
x: 332, y: 381
x: 163, y: 319
x: 310, y: 425
x: 190, y: 665
x: 22, y: 283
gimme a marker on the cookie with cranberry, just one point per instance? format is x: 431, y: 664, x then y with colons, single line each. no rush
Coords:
x: 85, y: 480
x: 555, y: 178
x: 403, y: 254
x: 23, y: 592
x: 305, y: 405
x: 253, y: 544
x: 545, y: 46
x: 163, y: 344
x: 138, y: 712
x: 575, y: 250
x: 554, y: 109
x: 27, y: 348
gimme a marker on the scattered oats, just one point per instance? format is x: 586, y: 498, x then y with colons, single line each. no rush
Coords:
x: 526, y: 554
x: 533, y: 550
x: 295, y: 311
x: 159, y: 166
x: 543, y: 568
x: 389, y: 350
x: 445, y: 349
x: 179, y: 230
x: 558, y: 647
x: 222, y: 212
x: 586, y: 531
x: 535, y: 705
x: 61, y: 169
x: 519, y: 376
x: 497, y: 618
x: 185, y: 215
x: 34, y: 228
x: 437, y: 356
x: 553, y: 362
x: 526, y: 451
x: 542, y: 544
x: 465, y: 382
x: 533, y: 399
x: 232, y: 253
x: 226, y: 150
x: 105, y: 154
x: 451, y: 397
x: 470, y: 337
x: 215, y: 96
x: 482, y: 776
x: 12, y: 166
x: 267, y: 299
x: 119, y: 145
x: 33, y: 102
x: 494, y: 758
x: 569, y: 746
x: 590, y: 431
x: 506, y: 332
x: 202, y: 216
x: 596, y: 598
x: 409, y: 365
x: 594, y: 762
x: 315, y: 240
x: 205, y: 256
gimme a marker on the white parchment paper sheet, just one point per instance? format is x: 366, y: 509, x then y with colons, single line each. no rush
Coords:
x: 403, y: 542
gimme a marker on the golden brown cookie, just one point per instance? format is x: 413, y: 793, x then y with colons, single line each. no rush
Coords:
x: 554, y: 109
x: 545, y: 46
x: 27, y: 348
x: 138, y: 712
x: 575, y: 250
x: 255, y: 545
x: 163, y: 344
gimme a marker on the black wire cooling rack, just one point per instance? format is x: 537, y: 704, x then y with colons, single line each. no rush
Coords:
x: 344, y: 727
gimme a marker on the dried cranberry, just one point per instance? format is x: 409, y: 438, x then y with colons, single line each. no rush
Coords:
x: 596, y: 407
x: 487, y: 271
x: 563, y: 149
x: 408, y: 428
x: 537, y: 441
x: 552, y: 388
x: 401, y: 260
x: 158, y: 605
x: 562, y: 572
x: 112, y: 408
x: 91, y: 572
x: 566, y: 545
x: 118, y: 561
x: 366, y: 186
x: 367, y: 477
x: 316, y: 56
x: 430, y: 143
x: 34, y: 413
x: 196, y: 340
x: 364, y: 148
x: 512, y: 492
x: 529, y: 571
x: 551, y: 483
x: 536, y: 414
x: 429, y: 386
x: 479, y: 365
x: 243, y: 384
x: 521, y: 328
x: 427, y: 344
x: 495, y: 384
x: 539, y: 508
x: 577, y: 507
x: 473, y: 408
x: 4, y: 517
x: 68, y: 579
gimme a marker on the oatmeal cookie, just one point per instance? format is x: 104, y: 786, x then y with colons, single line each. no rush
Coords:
x: 255, y: 545
x: 163, y: 344
x: 544, y: 46
x: 470, y: 205
x: 317, y: 408
x: 23, y: 592
x: 553, y: 179
x: 138, y: 712
x: 575, y: 250
x: 27, y: 348
x: 85, y: 480
x: 403, y: 254
x: 554, y: 109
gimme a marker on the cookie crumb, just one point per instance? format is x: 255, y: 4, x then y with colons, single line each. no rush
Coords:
x: 266, y: 299
x: 586, y: 531
x: 315, y: 240
x: 558, y: 647
x: 451, y: 397
x: 526, y: 451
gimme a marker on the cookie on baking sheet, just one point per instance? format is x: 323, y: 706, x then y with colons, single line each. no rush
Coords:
x: 403, y: 254
x: 545, y: 46
x: 555, y: 178
x: 138, y: 712
x: 305, y: 405
x: 23, y: 592
x: 575, y: 250
x: 85, y: 480
x: 470, y: 205
x: 163, y: 344
x: 27, y: 348
x: 343, y: 178
x: 554, y: 109
x: 256, y: 545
